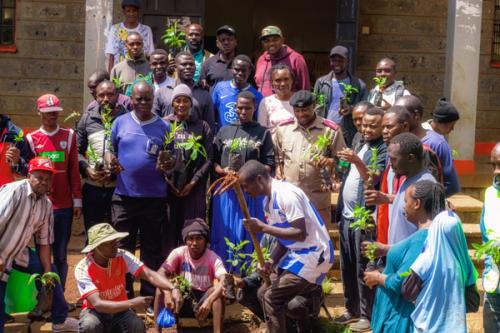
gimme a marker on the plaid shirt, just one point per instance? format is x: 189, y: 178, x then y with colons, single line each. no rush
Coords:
x: 22, y: 216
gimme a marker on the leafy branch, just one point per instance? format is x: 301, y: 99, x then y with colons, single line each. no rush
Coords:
x: 380, y: 82
x: 72, y: 116
x: 236, y: 256
x: 48, y: 279
x: 175, y: 39
x: 370, y: 252
x: 192, y: 144
x: 169, y: 137
x: 320, y: 99
x: 319, y: 147
x: 490, y: 248
x: 349, y: 90
x: 362, y: 219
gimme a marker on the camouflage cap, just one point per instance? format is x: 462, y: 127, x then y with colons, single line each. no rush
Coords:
x: 102, y: 233
x: 270, y: 30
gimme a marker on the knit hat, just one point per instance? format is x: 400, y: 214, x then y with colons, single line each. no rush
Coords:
x: 182, y: 90
x: 195, y: 227
x: 102, y: 233
x: 445, y: 112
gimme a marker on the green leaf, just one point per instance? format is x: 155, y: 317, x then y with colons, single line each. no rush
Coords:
x: 33, y: 278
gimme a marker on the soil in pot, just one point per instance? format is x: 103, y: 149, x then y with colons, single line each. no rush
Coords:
x: 235, y: 161
x: 229, y: 286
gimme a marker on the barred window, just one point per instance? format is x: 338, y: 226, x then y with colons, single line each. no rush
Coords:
x: 7, y: 24
x: 495, y: 53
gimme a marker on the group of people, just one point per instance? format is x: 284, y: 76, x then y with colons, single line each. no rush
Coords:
x: 162, y: 127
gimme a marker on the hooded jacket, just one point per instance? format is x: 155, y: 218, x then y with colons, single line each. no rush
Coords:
x: 289, y: 57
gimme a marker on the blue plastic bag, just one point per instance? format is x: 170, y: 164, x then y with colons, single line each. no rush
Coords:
x: 166, y: 318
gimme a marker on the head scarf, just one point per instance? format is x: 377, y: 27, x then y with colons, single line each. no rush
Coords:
x: 445, y: 269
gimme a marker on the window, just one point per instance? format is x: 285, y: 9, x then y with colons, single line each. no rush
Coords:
x: 495, y: 52
x: 7, y: 25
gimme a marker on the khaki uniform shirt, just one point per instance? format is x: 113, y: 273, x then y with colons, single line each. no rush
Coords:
x: 292, y: 144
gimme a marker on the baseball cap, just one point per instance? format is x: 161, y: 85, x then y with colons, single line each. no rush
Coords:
x: 271, y: 30
x: 134, y: 3
x: 41, y: 163
x: 102, y: 233
x: 302, y: 99
x: 339, y: 50
x: 225, y: 28
x: 48, y: 103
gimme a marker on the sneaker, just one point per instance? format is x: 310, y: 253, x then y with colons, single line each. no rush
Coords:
x: 346, y: 318
x: 362, y: 325
x: 69, y: 325
x: 150, y: 312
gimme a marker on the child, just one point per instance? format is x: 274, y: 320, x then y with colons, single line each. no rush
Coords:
x: 200, y: 266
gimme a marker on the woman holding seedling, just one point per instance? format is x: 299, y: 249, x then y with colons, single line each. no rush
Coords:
x: 193, y: 151
x: 424, y: 200
x: 234, y: 145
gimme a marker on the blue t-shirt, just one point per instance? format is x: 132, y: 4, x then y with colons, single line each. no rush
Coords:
x: 137, y: 145
x: 440, y: 146
x: 337, y: 93
x: 224, y: 99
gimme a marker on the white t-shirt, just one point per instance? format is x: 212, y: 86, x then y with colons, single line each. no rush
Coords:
x: 312, y: 258
x: 117, y: 35
x: 273, y: 111
x: 350, y: 193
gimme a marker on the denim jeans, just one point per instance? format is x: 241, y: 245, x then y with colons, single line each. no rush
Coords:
x: 127, y: 321
x: 491, y: 313
x: 63, y: 219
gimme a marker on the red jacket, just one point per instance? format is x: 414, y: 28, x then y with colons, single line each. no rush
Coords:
x: 289, y: 57
x: 60, y: 147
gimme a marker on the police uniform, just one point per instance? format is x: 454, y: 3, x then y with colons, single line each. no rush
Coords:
x: 292, y: 144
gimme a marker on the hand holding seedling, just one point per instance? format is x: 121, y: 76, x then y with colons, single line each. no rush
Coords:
x: 177, y: 300
x: 374, y: 278
x: 349, y: 155
x: 98, y: 176
x: 141, y: 301
x: 165, y: 166
x: 187, y: 189
x: 114, y: 165
x: 378, y: 249
x: 373, y: 197
x: 13, y: 155
x: 323, y: 162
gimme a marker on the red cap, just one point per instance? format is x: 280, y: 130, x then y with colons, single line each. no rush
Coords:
x: 41, y: 163
x: 48, y: 103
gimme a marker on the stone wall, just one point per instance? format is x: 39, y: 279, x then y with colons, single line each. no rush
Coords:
x: 49, y: 58
x: 488, y: 103
x: 413, y: 33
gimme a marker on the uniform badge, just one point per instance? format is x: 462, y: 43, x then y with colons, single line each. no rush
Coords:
x: 63, y: 144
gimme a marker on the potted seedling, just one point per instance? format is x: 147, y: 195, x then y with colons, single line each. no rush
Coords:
x: 348, y: 91
x: 491, y: 249
x: 236, y: 261
x: 193, y: 145
x: 378, y: 96
x: 174, y: 38
x: 320, y: 148
x: 47, y: 282
x: 118, y: 84
x: 235, y: 158
x: 166, y: 154
x: 188, y: 150
x: 320, y: 100
x: 373, y: 170
x: 363, y: 221
x: 14, y: 140
x: 107, y: 146
x: 94, y: 160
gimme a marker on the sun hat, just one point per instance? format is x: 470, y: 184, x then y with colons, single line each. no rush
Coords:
x: 48, y: 103
x: 102, y: 233
x: 41, y: 163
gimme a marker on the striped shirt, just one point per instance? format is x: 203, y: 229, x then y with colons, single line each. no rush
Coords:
x: 22, y: 216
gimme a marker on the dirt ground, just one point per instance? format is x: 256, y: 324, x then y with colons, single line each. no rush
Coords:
x: 238, y: 319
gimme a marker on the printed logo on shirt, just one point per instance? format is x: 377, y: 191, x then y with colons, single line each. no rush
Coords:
x: 54, y: 156
x: 230, y: 115
x: 63, y: 144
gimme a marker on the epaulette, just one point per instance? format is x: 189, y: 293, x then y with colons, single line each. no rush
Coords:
x: 287, y: 121
x: 331, y: 124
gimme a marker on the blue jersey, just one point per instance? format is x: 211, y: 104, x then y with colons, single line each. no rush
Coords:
x: 224, y: 99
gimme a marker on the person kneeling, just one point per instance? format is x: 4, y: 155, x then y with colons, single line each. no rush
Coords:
x: 101, y: 281
x: 200, y: 266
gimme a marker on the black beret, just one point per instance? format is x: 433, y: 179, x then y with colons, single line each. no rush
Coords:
x: 302, y: 99
x: 195, y: 227
x: 225, y: 28
x: 135, y: 3
x: 445, y: 112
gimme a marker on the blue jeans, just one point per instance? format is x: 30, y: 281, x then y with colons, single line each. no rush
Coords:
x: 63, y: 219
x: 491, y: 313
x: 59, y: 305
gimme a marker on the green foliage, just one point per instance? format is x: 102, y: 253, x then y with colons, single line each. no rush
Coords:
x: 454, y: 153
x: 92, y: 154
x: 71, y: 116
x: 184, y: 286
x: 319, y: 147
x: 19, y: 137
x: 370, y: 252
x: 175, y: 39
x: 373, y: 166
x: 380, y: 81
x: 327, y: 286
x: 323, y: 325
x: 362, y: 218
x: 235, y: 254
x: 48, y: 279
x: 117, y: 82
x: 490, y: 248
x: 349, y: 90
x: 169, y: 137
x: 192, y: 144
x: 250, y: 267
x: 320, y: 99
x: 235, y: 146
x: 405, y: 274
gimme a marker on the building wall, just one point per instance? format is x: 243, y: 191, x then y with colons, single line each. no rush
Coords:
x: 488, y: 103
x: 49, y: 58
x: 413, y: 33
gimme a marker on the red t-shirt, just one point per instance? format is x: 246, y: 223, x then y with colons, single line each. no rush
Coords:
x: 60, y: 147
x: 108, y: 282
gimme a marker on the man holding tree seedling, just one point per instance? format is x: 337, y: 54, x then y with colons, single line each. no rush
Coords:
x: 367, y: 162
x: 93, y: 134
x: 32, y: 217
x: 341, y: 91
x: 387, y: 89
x: 14, y: 152
x: 302, y: 160
x: 100, y: 277
x: 304, y: 251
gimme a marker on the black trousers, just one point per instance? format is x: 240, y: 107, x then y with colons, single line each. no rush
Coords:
x: 96, y: 205
x: 146, y: 217
x: 358, y: 297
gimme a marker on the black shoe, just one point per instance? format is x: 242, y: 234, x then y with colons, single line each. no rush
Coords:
x: 346, y: 318
x: 7, y: 318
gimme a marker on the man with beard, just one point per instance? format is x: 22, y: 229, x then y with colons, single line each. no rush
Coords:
x: 91, y: 138
x: 224, y: 94
x: 218, y: 68
x: 333, y: 87
x: 194, y: 41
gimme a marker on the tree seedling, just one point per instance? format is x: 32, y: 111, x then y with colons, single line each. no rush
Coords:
x: 193, y: 145
x: 362, y: 219
x: 118, y: 83
x: 488, y: 249
x: 236, y: 258
x: 370, y: 252
x: 71, y: 116
x: 320, y: 100
x: 175, y: 39
x: 380, y: 82
x: 48, y: 279
x: 166, y: 153
x: 94, y: 159
x: 327, y: 286
x: 319, y: 147
x: 349, y: 90
x: 373, y: 170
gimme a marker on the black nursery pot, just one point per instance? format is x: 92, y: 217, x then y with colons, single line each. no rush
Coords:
x: 235, y: 161
x: 164, y: 156
x: 377, y: 99
x: 230, y: 287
